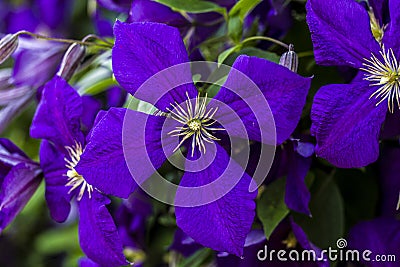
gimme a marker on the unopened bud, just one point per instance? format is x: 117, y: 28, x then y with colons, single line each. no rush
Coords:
x: 71, y: 61
x: 290, y: 59
x: 8, y: 44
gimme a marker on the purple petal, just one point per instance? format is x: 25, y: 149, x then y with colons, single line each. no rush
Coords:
x: 389, y: 178
x: 116, y: 5
x: 36, y: 66
x: 142, y: 50
x: 116, y: 97
x: 11, y: 156
x: 98, y: 235
x: 14, y: 108
x: 103, y: 26
x: 284, y: 91
x: 184, y: 244
x: 347, y: 124
x: 380, y: 236
x: 21, y: 19
x: 150, y: 11
x: 391, y: 36
x: 102, y: 163
x: 340, y: 31
x: 91, y: 106
x: 255, y: 241
x: 57, y: 197
x: 297, y: 195
x: 379, y: 8
x: 132, y: 216
x: 125, y: 136
x: 16, y: 190
x: 54, y: 12
x: 85, y: 262
x: 391, y: 127
x: 57, y: 117
x: 223, y: 224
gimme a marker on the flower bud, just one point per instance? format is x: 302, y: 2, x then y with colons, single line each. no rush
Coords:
x: 71, y: 61
x: 290, y: 59
x: 8, y: 44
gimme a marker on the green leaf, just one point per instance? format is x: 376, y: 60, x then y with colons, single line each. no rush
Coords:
x: 361, y: 201
x: 235, y: 28
x: 95, y: 81
x: 224, y: 55
x: 243, y: 8
x: 271, y: 207
x: 58, y: 240
x: 193, y: 6
x: 98, y: 87
x: 326, y: 205
x: 254, y: 52
x: 136, y: 104
x: 197, y: 259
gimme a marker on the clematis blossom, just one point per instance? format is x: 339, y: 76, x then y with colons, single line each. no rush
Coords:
x: 186, y: 120
x: 58, y: 122
x: 347, y: 118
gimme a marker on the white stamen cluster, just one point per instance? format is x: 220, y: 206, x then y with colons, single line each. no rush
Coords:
x: 386, y: 75
x: 196, y: 121
x: 76, y: 180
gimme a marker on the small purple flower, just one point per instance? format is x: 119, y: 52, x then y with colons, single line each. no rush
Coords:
x: 58, y: 122
x: 19, y: 179
x: 347, y: 118
x: 144, y: 49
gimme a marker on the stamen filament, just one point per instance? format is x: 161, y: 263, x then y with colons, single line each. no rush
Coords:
x: 76, y: 180
x: 196, y: 121
x: 385, y: 74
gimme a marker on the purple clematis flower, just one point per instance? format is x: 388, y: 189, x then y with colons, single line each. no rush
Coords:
x: 143, y: 49
x: 58, y: 122
x: 347, y: 118
x: 19, y: 179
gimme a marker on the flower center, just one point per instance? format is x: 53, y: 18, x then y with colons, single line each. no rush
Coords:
x: 196, y: 123
x: 76, y: 180
x: 386, y: 75
x: 376, y: 29
x: 290, y: 241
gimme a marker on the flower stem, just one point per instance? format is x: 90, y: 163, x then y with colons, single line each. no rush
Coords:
x: 305, y: 54
x: 68, y: 41
x: 264, y: 38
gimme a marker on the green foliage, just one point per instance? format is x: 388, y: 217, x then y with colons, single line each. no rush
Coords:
x: 193, y: 6
x: 242, y: 8
x: 271, y: 207
x: 327, y: 223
